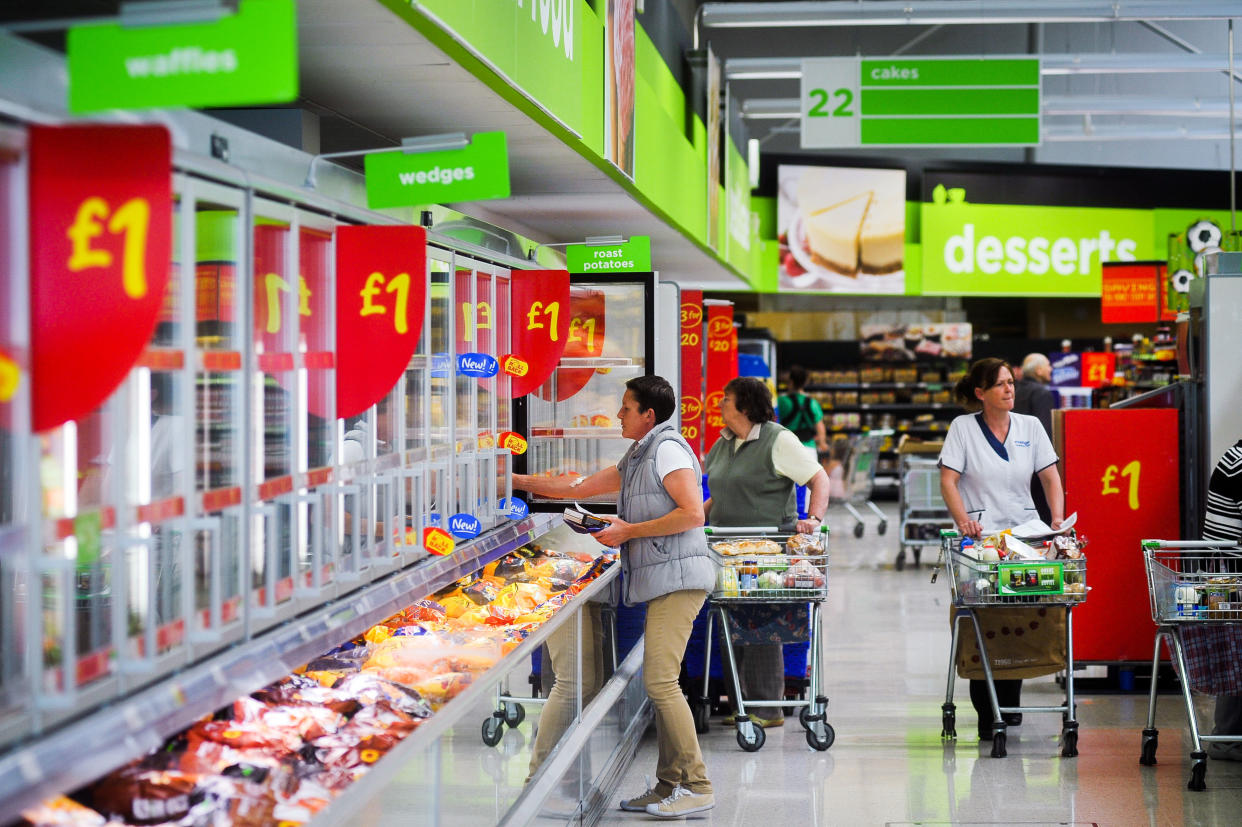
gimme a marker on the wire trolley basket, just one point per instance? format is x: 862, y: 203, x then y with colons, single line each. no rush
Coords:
x: 769, y: 568
x: 975, y: 582
x: 1199, y: 584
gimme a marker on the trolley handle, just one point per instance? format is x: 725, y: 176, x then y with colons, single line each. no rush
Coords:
x: 745, y: 531
x: 1155, y: 545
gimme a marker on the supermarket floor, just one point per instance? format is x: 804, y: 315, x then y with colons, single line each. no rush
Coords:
x: 886, y: 646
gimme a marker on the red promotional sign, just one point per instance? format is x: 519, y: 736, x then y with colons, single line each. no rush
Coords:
x: 381, y: 289
x: 540, y: 309
x: 692, y: 368
x: 1098, y: 369
x: 721, y: 367
x: 100, y: 244
x: 314, y: 327
x: 1121, y: 476
x: 584, y: 340
x: 475, y: 322
x: 1130, y: 292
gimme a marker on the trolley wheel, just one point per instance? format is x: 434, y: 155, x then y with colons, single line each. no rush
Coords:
x: 755, y: 742
x: 859, y: 528
x: 493, y: 729
x: 1069, y: 742
x: 900, y: 562
x: 948, y: 722
x: 821, y: 742
x: 1198, y: 772
x: 702, y: 710
x: 1151, y: 739
x: 882, y: 527
x: 804, y: 717
x: 998, y: 744
x: 514, y: 714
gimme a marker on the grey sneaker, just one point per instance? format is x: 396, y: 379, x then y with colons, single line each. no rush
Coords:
x: 654, y: 795
x: 681, y: 803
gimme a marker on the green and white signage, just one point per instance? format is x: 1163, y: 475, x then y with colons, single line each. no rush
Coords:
x: 476, y: 172
x: 633, y: 256
x: 854, y: 102
x: 1012, y: 250
x: 250, y: 57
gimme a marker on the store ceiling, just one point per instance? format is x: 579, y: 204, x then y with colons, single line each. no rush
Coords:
x: 363, y: 64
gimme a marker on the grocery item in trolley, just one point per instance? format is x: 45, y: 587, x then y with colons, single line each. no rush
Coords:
x: 1001, y: 570
x: 746, y: 548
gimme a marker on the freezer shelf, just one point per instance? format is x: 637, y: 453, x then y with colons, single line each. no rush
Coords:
x: 97, y: 744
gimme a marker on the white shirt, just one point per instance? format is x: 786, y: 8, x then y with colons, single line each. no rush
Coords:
x: 790, y: 458
x: 997, y: 491
x: 670, y: 456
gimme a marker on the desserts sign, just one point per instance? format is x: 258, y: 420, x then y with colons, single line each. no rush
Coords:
x: 842, y: 230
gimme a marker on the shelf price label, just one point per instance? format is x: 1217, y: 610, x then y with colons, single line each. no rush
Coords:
x: 540, y: 312
x: 437, y: 541
x: 513, y: 442
x: 379, y: 310
x: 464, y: 526
x: 100, y: 242
x: 515, y: 508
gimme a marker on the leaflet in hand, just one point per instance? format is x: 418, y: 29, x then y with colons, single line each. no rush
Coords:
x: 1036, y: 528
x: 583, y: 521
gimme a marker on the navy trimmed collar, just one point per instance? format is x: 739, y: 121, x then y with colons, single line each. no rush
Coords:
x: 997, y: 445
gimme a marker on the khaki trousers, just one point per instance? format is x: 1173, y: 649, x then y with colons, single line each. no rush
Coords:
x: 561, y: 708
x: 669, y: 620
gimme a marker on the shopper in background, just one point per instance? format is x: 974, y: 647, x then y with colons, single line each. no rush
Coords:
x: 1032, y: 397
x: 802, y: 414
x: 985, y: 470
x: 1214, y: 653
x: 666, y: 565
x: 752, y: 472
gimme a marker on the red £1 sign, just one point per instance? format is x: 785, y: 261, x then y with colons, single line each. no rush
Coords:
x: 381, y: 275
x: 585, y: 340
x: 540, y: 326
x: 100, y: 245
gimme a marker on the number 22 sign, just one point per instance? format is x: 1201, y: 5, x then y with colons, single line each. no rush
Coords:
x: 830, y: 106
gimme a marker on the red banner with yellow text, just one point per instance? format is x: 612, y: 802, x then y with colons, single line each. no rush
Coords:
x: 692, y: 368
x: 100, y: 246
x: 721, y: 366
x: 1122, y: 478
x: 381, y: 277
x: 540, y: 308
x: 584, y: 340
x: 1130, y: 291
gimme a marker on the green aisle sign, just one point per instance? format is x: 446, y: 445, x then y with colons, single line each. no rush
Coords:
x: 853, y: 102
x: 633, y: 256
x: 250, y: 57
x: 475, y: 172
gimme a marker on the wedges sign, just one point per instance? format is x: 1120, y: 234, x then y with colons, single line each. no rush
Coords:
x: 476, y: 172
x: 1014, y: 250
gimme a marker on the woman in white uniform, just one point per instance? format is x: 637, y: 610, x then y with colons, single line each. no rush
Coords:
x: 985, y: 471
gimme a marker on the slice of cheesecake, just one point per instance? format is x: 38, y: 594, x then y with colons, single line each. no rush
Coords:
x: 882, y: 240
x: 832, y: 233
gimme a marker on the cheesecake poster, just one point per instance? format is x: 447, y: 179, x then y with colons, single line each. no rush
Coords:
x: 842, y: 230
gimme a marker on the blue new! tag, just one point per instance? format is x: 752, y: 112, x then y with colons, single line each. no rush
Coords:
x: 477, y: 364
x: 515, y: 508
x: 464, y: 526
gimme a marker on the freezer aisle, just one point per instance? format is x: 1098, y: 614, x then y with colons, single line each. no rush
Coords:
x: 886, y: 635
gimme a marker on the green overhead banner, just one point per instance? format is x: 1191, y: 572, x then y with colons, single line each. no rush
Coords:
x: 856, y: 102
x: 250, y: 57
x: 1010, y: 250
x: 536, y: 44
x: 476, y: 172
x: 633, y: 256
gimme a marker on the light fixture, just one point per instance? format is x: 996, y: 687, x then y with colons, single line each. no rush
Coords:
x: 589, y: 241
x: 134, y: 14
x: 409, y: 146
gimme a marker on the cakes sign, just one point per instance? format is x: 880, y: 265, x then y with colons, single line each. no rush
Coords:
x: 851, y: 102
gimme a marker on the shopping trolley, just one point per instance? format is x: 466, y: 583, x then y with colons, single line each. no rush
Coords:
x: 977, y: 584
x: 1190, y: 583
x: 745, y: 558
x: 510, y: 709
x: 923, y: 512
x: 860, y: 478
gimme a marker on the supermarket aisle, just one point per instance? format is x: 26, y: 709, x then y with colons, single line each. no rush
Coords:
x: 887, y: 645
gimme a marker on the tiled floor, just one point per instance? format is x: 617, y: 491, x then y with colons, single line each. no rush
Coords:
x: 886, y: 645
